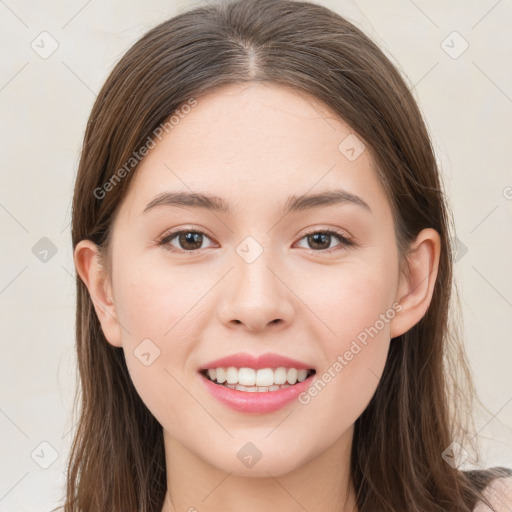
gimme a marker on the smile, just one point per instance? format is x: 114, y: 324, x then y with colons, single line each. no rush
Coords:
x: 252, y: 380
x: 254, y: 398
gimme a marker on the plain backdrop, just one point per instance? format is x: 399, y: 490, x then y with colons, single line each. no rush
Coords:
x: 55, y: 56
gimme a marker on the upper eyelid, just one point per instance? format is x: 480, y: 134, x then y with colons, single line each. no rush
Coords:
x: 339, y: 232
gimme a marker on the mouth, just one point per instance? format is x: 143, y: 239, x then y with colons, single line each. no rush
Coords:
x: 261, y: 380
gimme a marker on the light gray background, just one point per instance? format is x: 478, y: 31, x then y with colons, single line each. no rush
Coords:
x: 44, y: 106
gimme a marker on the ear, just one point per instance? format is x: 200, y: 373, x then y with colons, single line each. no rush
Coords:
x: 416, y: 284
x: 94, y: 276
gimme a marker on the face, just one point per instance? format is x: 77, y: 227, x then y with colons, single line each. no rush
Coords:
x: 271, y: 273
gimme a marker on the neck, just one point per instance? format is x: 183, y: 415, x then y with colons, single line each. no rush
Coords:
x: 322, y: 483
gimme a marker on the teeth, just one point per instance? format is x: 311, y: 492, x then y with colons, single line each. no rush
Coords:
x: 231, y: 375
x: 280, y: 375
x: 262, y: 379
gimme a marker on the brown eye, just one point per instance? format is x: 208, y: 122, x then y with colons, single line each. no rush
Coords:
x: 190, y: 240
x: 187, y: 240
x: 321, y: 240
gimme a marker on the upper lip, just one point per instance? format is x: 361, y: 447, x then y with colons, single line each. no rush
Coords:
x: 244, y: 360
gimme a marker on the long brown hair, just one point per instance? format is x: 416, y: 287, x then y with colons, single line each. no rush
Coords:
x: 117, y: 458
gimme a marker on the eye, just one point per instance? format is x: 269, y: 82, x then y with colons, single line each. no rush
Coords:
x: 321, y: 240
x: 188, y: 240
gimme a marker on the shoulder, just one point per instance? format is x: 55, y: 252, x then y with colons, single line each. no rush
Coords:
x: 499, y: 494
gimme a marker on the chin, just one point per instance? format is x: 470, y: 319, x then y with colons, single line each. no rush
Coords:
x: 253, y: 460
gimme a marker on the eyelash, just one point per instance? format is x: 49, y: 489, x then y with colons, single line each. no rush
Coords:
x: 344, y: 239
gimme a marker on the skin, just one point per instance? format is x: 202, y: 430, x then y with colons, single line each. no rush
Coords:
x: 254, y: 145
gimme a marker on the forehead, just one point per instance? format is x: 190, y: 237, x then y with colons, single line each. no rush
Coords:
x: 256, y: 142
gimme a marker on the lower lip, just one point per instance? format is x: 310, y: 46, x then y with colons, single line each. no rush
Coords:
x: 256, y: 402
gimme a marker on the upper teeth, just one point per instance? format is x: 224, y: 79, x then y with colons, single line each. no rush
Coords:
x: 262, y: 377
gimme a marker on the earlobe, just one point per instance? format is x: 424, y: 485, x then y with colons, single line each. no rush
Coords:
x: 95, y: 278
x: 416, y: 286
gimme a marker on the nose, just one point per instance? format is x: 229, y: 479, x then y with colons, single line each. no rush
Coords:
x: 255, y: 296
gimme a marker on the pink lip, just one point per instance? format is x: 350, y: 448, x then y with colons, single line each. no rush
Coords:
x: 256, y: 402
x: 242, y: 360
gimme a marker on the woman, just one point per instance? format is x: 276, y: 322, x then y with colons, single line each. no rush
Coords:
x: 264, y: 279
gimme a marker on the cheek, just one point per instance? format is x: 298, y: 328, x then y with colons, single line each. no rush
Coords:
x: 347, y: 299
x: 355, y: 305
x: 158, y: 302
x: 162, y: 315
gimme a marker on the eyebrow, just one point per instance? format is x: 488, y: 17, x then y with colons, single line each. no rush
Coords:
x: 217, y: 204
